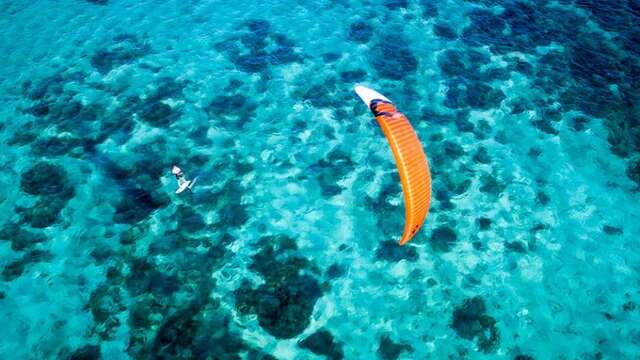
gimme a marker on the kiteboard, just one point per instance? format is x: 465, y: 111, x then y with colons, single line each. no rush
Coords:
x: 186, y: 185
x: 367, y: 95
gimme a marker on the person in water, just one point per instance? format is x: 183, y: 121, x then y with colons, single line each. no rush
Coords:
x: 182, y: 180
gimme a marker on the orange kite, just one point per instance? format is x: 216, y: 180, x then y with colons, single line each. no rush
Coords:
x: 410, y: 159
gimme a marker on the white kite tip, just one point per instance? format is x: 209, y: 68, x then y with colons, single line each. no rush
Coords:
x: 367, y: 95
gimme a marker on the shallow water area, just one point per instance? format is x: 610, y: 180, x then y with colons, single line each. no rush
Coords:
x: 528, y: 112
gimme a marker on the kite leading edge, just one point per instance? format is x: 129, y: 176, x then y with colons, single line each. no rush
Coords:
x: 410, y: 159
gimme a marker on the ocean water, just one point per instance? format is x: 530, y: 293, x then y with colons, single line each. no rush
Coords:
x: 286, y: 249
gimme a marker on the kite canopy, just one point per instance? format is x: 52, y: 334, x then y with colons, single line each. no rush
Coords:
x: 410, y: 159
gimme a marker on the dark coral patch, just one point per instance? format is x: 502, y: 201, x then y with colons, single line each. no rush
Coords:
x: 322, y: 343
x: 360, y: 32
x: 252, y: 63
x: 545, y: 126
x: 612, y: 230
x: 286, y: 51
x: 579, y: 123
x: 452, y: 150
x: 335, y: 271
x: 331, y: 170
x: 157, y: 114
x: 232, y: 111
x: 87, y: 352
x: 471, y: 321
x: 481, y: 96
x: 456, y: 97
x: 443, y: 238
x: 516, y: 246
x: 50, y: 182
x: 127, y: 48
x: 390, y: 350
x: 13, y: 270
x: 55, y: 145
x: 429, y: 8
x: 253, y: 56
x: 392, y: 57
x: 16, y: 268
x: 330, y: 57
x: 39, y: 109
x: 189, y: 220
x: 523, y: 357
x: 491, y: 185
x: 285, y: 301
x: 197, y: 330
x: 353, y: 76
x: 484, y: 223
x: 45, y: 178
x: 396, y: 4
x: 20, y: 238
x: 231, y: 211
x: 259, y: 27
x: 45, y: 212
x: 444, y: 30
x: 542, y: 198
x: 482, y: 156
x: 136, y: 204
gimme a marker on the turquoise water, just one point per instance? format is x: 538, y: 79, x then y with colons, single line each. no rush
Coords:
x: 286, y: 249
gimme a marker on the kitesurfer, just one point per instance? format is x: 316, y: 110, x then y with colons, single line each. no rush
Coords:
x: 183, y: 183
